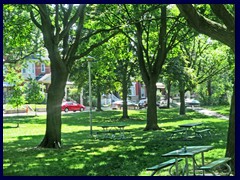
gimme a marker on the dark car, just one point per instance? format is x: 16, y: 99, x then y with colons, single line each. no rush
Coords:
x: 72, y: 106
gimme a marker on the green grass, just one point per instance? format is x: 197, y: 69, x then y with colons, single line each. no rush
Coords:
x: 82, y: 155
x: 224, y: 109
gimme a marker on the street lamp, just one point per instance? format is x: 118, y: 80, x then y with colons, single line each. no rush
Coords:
x: 90, y: 91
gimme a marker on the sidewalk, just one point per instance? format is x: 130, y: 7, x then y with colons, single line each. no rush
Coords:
x: 209, y: 113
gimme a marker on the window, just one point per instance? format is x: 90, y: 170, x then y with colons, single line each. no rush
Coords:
x: 133, y: 89
x: 32, y: 70
x: 42, y: 67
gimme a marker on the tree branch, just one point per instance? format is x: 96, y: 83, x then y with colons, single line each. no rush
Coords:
x: 207, y: 26
x: 95, y: 46
x: 222, y: 13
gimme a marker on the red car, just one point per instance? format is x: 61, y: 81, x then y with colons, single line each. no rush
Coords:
x: 72, y: 106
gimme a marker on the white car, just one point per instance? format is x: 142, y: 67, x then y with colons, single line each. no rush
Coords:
x: 119, y: 104
x: 191, y: 102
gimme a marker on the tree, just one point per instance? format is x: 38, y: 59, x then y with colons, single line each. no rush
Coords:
x: 222, y: 29
x: 33, y: 93
x: 16, y: 97
x: 155, y: 34
x: 18, y: 46
x: 124, y: 66
x: 64, y: 37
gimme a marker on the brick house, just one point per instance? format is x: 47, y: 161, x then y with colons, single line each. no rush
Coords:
x: 34, y: 68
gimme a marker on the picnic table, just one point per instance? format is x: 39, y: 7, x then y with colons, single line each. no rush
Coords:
x: 188, y: 127
x: 113, y: 131
x: 188, y: 152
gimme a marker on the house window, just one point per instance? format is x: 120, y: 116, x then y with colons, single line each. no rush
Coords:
x: 42, y: 67
x: 24, y: 70
x: 32, y: 68
x: 133, y: 89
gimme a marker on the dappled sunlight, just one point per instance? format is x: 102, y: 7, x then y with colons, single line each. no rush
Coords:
x: 81, y: 154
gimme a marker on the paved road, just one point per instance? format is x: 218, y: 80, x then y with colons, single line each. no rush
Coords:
x: 198, y: 109
x: 32, y: 113
x: 209, y: 113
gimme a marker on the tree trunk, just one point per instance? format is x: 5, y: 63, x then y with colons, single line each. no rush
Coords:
x: 52, y: 138
x: 18, y: 120
x: 230, y: 152
x: 125, y: 92
x: 168, y: 93
x: 209, y: 92
x: 99, y: 108
x: 152, y: 108
x: 182, y: 103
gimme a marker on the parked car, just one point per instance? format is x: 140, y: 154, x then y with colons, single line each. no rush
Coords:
x: 142, y: 103
x: 72, y: 106
x: 119, y: 104
x: 191, y: 102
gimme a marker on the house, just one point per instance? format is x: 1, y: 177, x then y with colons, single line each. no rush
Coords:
x: 34, y: 68
x: 137, y: 92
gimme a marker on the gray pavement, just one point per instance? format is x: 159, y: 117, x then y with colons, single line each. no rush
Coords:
x: 209, y: 113
x: 198, y: 109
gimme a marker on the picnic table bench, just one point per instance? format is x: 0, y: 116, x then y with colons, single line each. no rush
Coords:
x: 211, y: 167
x: 202, y: 131
x: 176, y: 132
x: 185, y: 128
x: 162, y: 165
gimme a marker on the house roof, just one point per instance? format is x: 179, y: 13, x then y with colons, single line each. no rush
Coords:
x: 46, y: 79
x: 160, y: 85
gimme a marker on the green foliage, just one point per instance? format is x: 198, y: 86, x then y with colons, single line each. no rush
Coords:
x: 85, y: 156
x: 16, y: 97
x: 33, y: 92
x: 20, y: 37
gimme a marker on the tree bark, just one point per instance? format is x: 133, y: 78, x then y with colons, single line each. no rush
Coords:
x: 52, y: 138
x: 208, y: 27
x: 182, y: 110
x: 152, y: 108
x: 168, y: 93
x: 125, y: 92
x: 230, y: 152
x: 99, y: 104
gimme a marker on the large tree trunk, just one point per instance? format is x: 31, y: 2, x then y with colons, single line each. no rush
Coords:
x: 168, y: 93
x: 152, y: 108
x: 230, y: 152
x: 99, y: 103
x: 209, y: 92
x: 52, y: 138
x: 182, y: 110
x: 125, y: 92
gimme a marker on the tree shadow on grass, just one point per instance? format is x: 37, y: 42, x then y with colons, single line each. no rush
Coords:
x: 10, y: 127
x: 81, y: 155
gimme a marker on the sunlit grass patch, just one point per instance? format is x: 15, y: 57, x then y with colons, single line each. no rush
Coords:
x: 82, y: 155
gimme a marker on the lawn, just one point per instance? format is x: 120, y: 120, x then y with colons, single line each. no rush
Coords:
x: 82, y: 155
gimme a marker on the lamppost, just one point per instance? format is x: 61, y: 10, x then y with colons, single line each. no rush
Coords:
x: 90, y: 91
